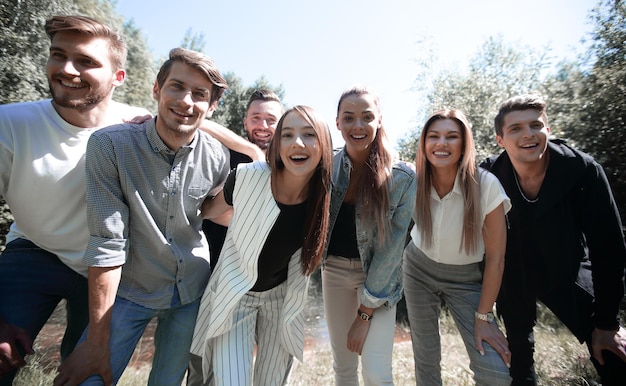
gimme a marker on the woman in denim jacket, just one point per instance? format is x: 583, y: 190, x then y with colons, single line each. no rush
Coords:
x: 371, y: 207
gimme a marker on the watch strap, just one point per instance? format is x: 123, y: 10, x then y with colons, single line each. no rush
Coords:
x: 363, y: 315
x: 488, y: 317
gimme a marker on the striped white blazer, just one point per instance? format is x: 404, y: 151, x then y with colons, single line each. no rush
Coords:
x: 255, y: 212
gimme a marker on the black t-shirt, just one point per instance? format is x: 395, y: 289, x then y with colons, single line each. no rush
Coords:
x: 282, y: 242
x: 343, y: 239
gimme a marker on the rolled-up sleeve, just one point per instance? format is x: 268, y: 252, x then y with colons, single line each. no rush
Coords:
x: 107, y: 211
x: 383, y: 284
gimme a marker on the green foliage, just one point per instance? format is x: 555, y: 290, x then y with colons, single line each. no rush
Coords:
x: 140, y: 70
x: 6, y: 219
x: 591, y: 96
x: 496, y: 72
x: 231, y: 108
x: 603, y: 121
x: 24, y: 47
x: 193, y: 41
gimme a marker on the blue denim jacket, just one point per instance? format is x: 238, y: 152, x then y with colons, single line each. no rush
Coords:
x: 382, y: 264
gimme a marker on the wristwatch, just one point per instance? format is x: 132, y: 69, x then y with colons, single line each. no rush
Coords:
x: 488, y: 317
x: 363, y: 315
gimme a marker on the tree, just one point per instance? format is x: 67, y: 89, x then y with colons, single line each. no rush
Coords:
x: 140, y: 71
x: 24, y: 47
x: 193, y: 41
x: 496, y: 72
x: 593, y: 97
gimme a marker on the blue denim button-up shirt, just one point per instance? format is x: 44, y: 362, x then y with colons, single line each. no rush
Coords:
x: 382, y: 264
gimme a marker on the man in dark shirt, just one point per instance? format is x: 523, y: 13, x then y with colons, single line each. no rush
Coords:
x: 565, y: 245
x: 263, y: 111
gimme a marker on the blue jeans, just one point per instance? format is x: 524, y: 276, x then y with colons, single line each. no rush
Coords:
x: 428, y: 284
x: 32, y: 283
x: 172, y: 340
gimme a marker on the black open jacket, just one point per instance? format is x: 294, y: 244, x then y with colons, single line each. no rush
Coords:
x: 578, y: 235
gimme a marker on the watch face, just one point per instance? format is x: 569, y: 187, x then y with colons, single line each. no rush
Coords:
x: 364, y: 316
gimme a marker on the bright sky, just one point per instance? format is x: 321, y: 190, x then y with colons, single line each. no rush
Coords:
x: 318, y: 48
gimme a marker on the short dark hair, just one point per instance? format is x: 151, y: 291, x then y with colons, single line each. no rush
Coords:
x: 92, y: 27
x: 263, y: 94
x: 518, y: 103
x: 199, y: 61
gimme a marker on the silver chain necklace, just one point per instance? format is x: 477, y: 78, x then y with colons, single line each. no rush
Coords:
x: 522, y: 192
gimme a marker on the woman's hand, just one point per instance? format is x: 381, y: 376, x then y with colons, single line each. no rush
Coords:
x: 490, y: 333
x: 357, y: 334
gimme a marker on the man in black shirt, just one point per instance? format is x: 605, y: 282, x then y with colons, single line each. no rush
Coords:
x: 263, y: 111
x: 565, y: 245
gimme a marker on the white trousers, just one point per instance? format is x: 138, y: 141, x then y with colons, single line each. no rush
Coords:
x: 342, y: 283
x: 257, y: 318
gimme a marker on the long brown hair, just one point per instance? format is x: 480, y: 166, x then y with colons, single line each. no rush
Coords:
x: 376, y: 180
x: 318, y: 206
x: 470, y: 183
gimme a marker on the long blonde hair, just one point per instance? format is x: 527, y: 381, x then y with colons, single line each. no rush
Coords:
x: 376, y: 180
x: 470, y: 183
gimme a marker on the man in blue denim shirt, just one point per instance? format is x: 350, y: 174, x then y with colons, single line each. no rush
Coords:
x: 145, y: 187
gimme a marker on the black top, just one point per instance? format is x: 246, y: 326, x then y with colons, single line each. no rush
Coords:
x: 283, y: 240
x: 343, y: 239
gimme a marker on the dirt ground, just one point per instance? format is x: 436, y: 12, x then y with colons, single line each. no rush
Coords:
x: 49, y: 339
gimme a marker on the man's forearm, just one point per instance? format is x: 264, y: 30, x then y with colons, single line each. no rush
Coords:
x: 103, y: 284
x: 232, y: 140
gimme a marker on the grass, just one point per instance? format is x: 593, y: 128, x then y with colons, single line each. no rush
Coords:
x: 560, y: 359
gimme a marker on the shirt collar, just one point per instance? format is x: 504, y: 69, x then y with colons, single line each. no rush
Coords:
x: 157, y: 144
x: 456, y: 189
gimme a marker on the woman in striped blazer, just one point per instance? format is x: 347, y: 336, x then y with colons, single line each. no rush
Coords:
x: 275, y: 240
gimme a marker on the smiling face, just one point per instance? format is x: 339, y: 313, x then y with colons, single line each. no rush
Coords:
x: 444, y: 144
x: 358, y: 119
x: 299, y: 146
x: 183, y: 101
x: 524, y: 136
x: 260, y: 121
x: 80, y: 71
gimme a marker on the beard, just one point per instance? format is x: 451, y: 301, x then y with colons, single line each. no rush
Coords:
x: 92, y: 98
x: 263, y: 145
